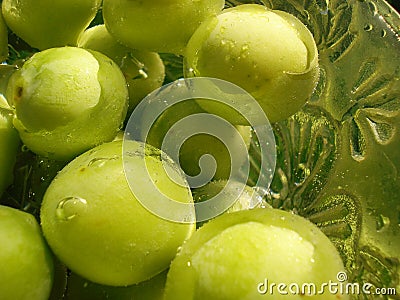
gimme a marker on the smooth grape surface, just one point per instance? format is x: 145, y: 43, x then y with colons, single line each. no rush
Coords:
x: 46, y: 23
x: 9, y: 142
x: 232, y: 254
x: 144, y: 70
x: 200, y: 144
x: 269, y: 53
x: 67, y: 100
x: 26, y: 263
x: 97, y: 227
x: 247, y: 198
x: 158, y: 25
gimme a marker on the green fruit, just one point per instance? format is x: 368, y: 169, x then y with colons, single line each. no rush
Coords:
x: 199, y: 144
x: 67, y: 100
x: 144, y: 71
x: 9, y: 142
x: 79, y: 288
x: 233, y: 197
x: 3, y: 39
x: 26, y: 264
x: 158, y: 25
x: 247, y: 198
x: 269, y: 53
x: 232, y: 256
x: 98, y: 228
x: 45, y: 24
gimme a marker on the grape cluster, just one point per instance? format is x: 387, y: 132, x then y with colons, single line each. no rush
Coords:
x: 70, y: 100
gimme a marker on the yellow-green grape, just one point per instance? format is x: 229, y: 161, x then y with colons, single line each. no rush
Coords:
x: 247, y: 198
x: 197, y: 145
x: 98, y: 228
x: 240, y: 255
x: 9, y: 142
x: 26, y: 263
x: 158, y: 25
x: 79, y: 288
x: 67, y: 100
x: 46, y: 24
x: 3, y: 39
x: 144, y: 71
x: 269, y: 53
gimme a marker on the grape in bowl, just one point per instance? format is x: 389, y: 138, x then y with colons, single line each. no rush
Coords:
x: 67, y: 100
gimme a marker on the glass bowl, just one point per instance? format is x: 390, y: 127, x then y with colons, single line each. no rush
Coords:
x: 338, y: 158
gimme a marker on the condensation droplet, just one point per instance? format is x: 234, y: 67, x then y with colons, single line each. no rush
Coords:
x: 302, y: 173
x: 398, y: 218
x: 24, y: 148
x: 324, y: 12
x: 70, y: 207
x: 383, y: 33
x: 99, y: 162
x: 368, y: 27
x: 382, y: 222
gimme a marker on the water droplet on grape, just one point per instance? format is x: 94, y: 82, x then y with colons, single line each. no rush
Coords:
x: 70, y: 207
x: 14, y: 11
x: 99, y: 162
x: 245, y: 47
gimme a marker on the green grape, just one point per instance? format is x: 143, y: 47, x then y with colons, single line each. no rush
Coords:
x: 79, y: 288
x: 158, y: 25
x: 144, y: 71
x: 197, y: 145
x: 26, y: 264
x: 3, y: 39
x: 46, y: 24
x: 269, y: 53
x: 67, y: 100
x: 97, y: 227
x: 9, y: 142
x: 234, y: 255
x: 246, y: 199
